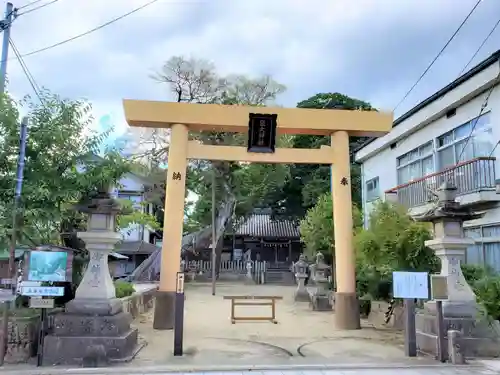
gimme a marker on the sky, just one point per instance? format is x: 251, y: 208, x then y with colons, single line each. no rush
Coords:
x: 373, y: 50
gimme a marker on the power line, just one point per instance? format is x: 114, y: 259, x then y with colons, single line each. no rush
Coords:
x: 438, y: 55
x: 37, y: 8
x: 26, y: 71
x: 483, y: 107
x: 91, y: 30
x: 29, y: 4
x: 480, y: 47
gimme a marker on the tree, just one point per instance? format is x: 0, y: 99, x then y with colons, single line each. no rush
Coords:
x: 394, y: 242
x: 61, y: 168
x: 239, y: 186
x: 317, y: 227
x: 308, y: 182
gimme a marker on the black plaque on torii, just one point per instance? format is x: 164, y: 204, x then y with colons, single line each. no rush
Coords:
x: 262, y: 132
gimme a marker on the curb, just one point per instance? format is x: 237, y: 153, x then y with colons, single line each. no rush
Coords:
x: 167, y: 369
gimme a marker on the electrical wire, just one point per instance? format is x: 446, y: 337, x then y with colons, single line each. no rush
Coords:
x: 483, y: 107
x: 480, y: 47
x: 438, y: 55
x: 29, y: 4
x: 26, y: 71
x: 37, y: 8
x: 91, y: 30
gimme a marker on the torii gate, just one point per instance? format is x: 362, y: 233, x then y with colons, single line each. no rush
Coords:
x: 262, y: 125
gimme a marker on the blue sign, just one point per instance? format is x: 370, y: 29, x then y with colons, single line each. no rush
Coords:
x: 410, y: 285
x: 43, y: 291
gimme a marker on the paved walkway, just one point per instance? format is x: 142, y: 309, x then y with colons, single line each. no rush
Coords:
x: 347, y: 369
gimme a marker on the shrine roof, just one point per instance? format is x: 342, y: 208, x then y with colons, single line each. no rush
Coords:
x: 263, y: 225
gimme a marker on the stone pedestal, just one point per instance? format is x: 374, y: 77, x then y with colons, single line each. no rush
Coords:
x: 460, y: 310
x: 320, y: 295
x: 94, y: 330
x: 300, y: 270
x: 301, y: 294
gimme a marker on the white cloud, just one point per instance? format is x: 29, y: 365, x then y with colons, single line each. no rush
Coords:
x: 373, y: 50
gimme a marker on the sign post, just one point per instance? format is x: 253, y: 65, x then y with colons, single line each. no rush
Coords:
x: 179, y: 314
x: 410, y: 286
x: 439, y: 292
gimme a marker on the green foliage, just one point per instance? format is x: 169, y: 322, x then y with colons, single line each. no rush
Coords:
x: 197, y: 81
x: 485, y: 283
x: 124, y: 289
x: 61, y: 168
x: 487, y: 291
x: 474, y: 272
x: 395, y: 242
x: 131, y: 216
x: 316, y: 229
x: 307, y: 183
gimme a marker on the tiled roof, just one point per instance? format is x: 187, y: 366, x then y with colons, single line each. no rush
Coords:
x: 135, y: 247
x: 262, y: 225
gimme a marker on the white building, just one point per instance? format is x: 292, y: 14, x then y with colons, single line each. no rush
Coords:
x: 452, y: 135
x: 137, y: 240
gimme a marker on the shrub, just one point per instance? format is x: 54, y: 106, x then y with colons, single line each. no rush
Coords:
x: 123, y: 289
x: 474, y: 273
x: 487, y: 292
x: 316, y: 229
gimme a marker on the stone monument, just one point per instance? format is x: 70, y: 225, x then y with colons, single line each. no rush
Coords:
x: 460, y: 309
x: 94, y: 330
x: 320, y: 295
x: 300, y: 271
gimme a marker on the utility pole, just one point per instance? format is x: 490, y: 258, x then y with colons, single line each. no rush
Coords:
x: 5, y: 25
x: 13, y: 239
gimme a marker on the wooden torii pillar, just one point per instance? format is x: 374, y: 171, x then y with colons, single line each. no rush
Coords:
x: 183, y: 117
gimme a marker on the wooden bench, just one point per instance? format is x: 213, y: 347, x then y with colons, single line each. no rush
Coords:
x: 253, y: 301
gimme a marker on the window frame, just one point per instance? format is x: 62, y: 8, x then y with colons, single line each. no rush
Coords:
x: 374, y: 193
x: 457, y: 139
x: 419, y: 159
x: 481, y: 240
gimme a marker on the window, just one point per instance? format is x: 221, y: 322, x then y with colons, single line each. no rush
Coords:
x: 416, y: 163
x: 372, y: 189
x: 486, y: 250
x: 453, y: 147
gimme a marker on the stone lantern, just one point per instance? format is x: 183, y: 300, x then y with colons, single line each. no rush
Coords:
x: 320, y: 271
x: 94, y: 328
x: 460, y: 310
x: 300, y: 270
x: 96, y: 291
x: 450, y: 245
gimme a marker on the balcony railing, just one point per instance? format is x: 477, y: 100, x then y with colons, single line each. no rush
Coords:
x: 469, y: 177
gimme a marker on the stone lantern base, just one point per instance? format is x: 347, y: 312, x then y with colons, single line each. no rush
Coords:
x: 478, y: 337
x: 94, y: 330
x: 90, y: 340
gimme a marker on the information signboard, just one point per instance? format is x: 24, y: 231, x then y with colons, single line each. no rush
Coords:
x: 410, y: 285
x: 43, y: 291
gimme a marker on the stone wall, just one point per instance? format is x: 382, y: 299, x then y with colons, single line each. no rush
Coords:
x: 377, y: 315
x: 22, y: 337
x: 23, y: 331
x: 139, y: 302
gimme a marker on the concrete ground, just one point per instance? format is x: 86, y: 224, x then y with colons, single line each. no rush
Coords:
x: 303, y: 342
x: 301, y: 335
